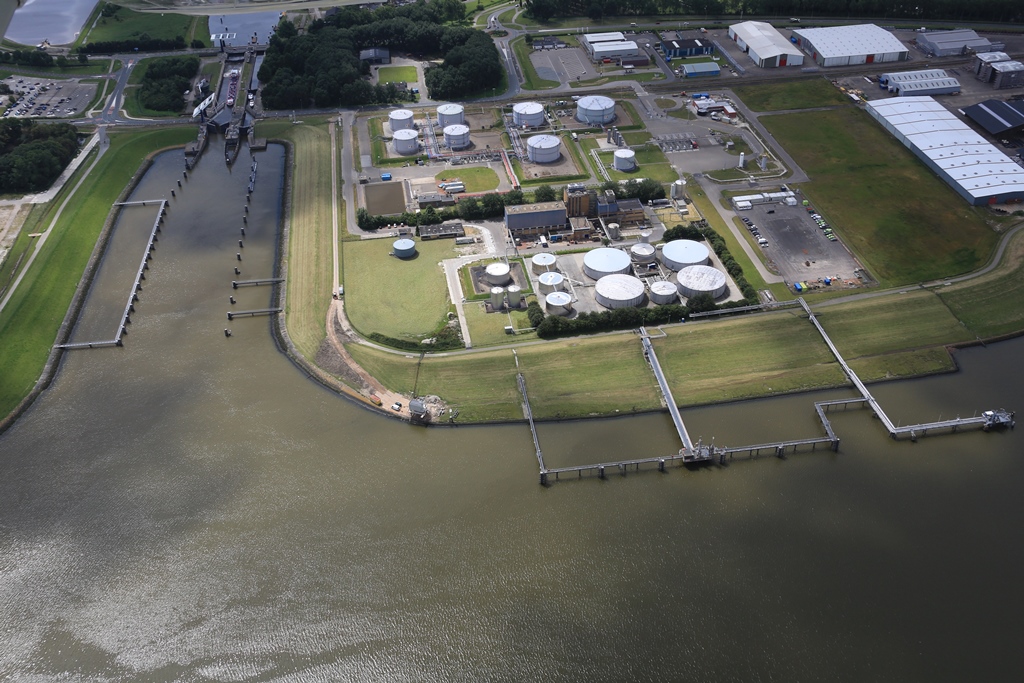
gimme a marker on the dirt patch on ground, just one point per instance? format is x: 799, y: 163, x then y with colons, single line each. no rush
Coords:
x: 385, y: 198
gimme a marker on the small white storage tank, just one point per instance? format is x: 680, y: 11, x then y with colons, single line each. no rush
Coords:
x: 404, y: 248
x: 558, y: 303
x: 498, y: 274
x: 624, y: 160
x: 407, y: 141
x: 645, y: 237
x: 400, y: 119
x: 679, y: 254
x: 643, y: 252
x: 613, y: 231
x: 551, y: 281
x: 541, y: 263
x: 694, y: 280
x: 595, y: 109
x: 450, y: 115
x: 528, y: 114
x: 664, y: 292
x: 619, y: 291
x: 515, y: 296
x: 606, y: 261
x: 456, y: 136
x: 543, y: 149
x: 679, y: 189
x: 497, y: 298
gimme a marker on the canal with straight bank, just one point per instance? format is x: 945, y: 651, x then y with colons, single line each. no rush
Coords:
x: 192, y: 507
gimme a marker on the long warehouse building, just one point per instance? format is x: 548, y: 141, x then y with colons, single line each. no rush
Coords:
x: 972, y: 166
x: 589, y: 40
x: 765, y: 45
x: 849, y: 45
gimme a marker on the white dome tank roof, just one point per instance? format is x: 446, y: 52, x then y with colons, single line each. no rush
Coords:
x: 551, y: 281
x: 406, y: 134
x: 643, y: 252
x: 450, y: 109
x: 605, y: 261
x: 543, y: 142
x: 399, y: 119
x: 558, y: 299
x: 497, y: 273
x: 404, y: 248
x: 542, y: 262
x: 625, y: 154
x: 624, y: 160
x: 619, y: 291
x: 694, y: 280
x: 528, y: 108
x: 664, y: 292
x: 679, y: 254
x: 456, y: 129
x: 596, y: 102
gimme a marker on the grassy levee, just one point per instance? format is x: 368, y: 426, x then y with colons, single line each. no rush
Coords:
x: 890, y: 209
x: 310, y: 231
x: 404, y: 299
x: 29, y: 323
x: 992, y: 305
x: 806, y: 94
x: 488, y: 329
x: 126, y: 25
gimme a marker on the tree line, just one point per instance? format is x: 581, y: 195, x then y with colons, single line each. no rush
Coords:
x: 27, y: 58
x: 165, y: 80
x: 32, y: 156
x: 144, y: 43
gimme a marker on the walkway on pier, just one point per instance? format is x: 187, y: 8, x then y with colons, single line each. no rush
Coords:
x: 666, y: 392
x: 528, y: 413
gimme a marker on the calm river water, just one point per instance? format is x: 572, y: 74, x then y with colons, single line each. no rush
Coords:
x: 191, y: 507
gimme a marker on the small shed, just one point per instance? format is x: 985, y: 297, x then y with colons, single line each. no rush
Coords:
x: 701, y: 69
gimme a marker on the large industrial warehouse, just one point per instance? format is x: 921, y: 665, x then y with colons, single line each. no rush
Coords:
x: 765, y: 45
x: 973, y: 167
x: 589, y: 40
x: 848, y: 45
x: 926, y: 82
x: 959, y: 41
x: 998, y: 117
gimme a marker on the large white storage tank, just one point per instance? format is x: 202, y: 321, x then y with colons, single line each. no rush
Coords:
x: 543, y: 149
x: 498, y: 274
x: 642, y: 253
x: 595, y: 110
x: 528, y: 114
x: 679, y: 254
x: 551, y: 281
x: 404, y: 248
x: 450, y: 115
x: 604, y: 261
x: 515, y: 296
x: 664, y: 292
x: 543, y: 262
x: 400, y: 119
x: 624, y: 160
x: 558, y: 303
x: 456, y: 136
x: 694, y: 280
x: 619, y: 291
x: 407, y: 141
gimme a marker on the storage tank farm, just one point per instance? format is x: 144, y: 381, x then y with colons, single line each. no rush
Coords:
x: 624, y: 160
x: 406, y: 141
x: 596, y: 110
x: 400, y: 119
x: 619, y: 291
x: 528, y: 114
x: 679, y: 254
x: 456, y: 136
x: 603, y: 261
x: 543, y: 149
x: 404, y: 248
x: 543, y: 262
x: 450, y: 115
x: 695, y: 280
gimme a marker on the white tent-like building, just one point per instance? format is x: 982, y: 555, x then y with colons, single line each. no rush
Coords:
x: 765, y: 45
x: 849, y: 45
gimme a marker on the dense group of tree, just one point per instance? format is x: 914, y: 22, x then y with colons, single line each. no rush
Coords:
x: 165, y: 80
x: 960, y: 10
x: 33, y: 155
x: 322, y: 67
x: 26, y: 58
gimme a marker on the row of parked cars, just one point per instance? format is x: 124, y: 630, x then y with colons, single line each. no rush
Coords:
x: 754, y: 231
x: 826, y: 229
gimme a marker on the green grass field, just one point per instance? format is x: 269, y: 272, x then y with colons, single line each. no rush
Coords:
x: 641, y: 78
x: 806, y: 94
x: 477, y: 179
x: 905, y: 224
x: 488, y: 329
x: 531, y: 81
x: 401, y: 299
x: 127, y: 25
x: 397, y: 74
x: 992, y: 305
x: 29, y: 323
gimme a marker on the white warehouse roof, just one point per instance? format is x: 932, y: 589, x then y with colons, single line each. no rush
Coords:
x: 611, y: 37
x: 615, y: 46
x: 963, y: 156
x: 849, y: 41
x: 764, y: 39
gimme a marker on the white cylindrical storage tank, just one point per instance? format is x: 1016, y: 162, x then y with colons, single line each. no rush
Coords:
x: 613, y: 231
x: 551, y: 281
x: 624, y: 160
x: 606, y: 261
x: 400, y: 119
x: 515, y: 296
x: 450, y: 115
x: 619, y: 291
x: 694, y: 280
x: 558, y: 303
x: 642, y: 253
x: 542, y: 263
x: 497, y: 298
x: 456, y: 136
x: 407, y: 141
x: 528, y: 114
x: 404, y: 248
x: 679, y: 189
x: 543, y: 149
x: 498, y: 274
x: 664, y: 292
x: 645, y: 237
x: 679, y: 254
x: 595, y: 109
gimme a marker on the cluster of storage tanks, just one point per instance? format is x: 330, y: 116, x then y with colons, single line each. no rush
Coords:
x: 551, y: 284
x: 452, y: 120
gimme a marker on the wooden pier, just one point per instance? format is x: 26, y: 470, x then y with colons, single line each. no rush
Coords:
x: 528, y: 414
x: 235, y: 284
x: 253, y: 313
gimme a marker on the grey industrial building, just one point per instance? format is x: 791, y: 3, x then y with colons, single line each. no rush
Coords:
x: 959, y: 41
x: 1007, y: 75
x: 535, y: 219
x: 686, y: 48
x: 926, y: 82
x: 998, y: 117
x: 982, y: 59
x: 849, y: 45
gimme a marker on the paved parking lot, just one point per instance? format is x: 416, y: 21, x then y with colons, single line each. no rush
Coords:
x: 38, y: 97
x: 563, y: 65
x: 797, y: 246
